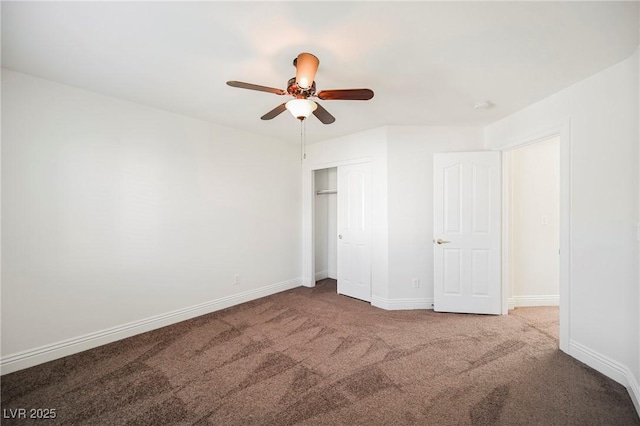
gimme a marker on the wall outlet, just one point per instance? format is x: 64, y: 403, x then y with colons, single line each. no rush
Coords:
x: 237, y: 282
x: 416, y: 282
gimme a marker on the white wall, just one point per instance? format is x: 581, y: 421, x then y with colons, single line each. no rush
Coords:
x: 535, y: 223
x: 604, y: 262
x: 410, y: 192
x: 637, y: 354
x: 115, y: 212
x: 321, y: 224
x: 370, y: 146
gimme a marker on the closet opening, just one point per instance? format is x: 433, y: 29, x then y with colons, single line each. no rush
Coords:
x: 325, y: 224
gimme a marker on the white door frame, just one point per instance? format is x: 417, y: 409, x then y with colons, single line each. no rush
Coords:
x: 563, y: 132
x: 312, y: 258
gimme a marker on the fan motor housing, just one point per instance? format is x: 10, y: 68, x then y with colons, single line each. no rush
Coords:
x: 294, y: 90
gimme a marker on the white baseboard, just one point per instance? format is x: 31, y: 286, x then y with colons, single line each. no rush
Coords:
x: 322, y: 275
x: 542, y: 300
x: 31, y: 357
x: 634, y: 390
x: 610, y: 368
x: 401, y: 304
x: 599, y: 362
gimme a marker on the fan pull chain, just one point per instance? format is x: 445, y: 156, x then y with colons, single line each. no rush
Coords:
x: 304, y: 140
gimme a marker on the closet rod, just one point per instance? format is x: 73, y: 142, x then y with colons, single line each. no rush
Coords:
x: 326, y: 191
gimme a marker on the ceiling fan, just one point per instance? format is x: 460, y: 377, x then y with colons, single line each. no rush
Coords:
x: 302, y: 87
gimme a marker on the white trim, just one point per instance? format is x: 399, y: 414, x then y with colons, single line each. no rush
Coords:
x: 634, y: 390
x: 307, y: 281
x: 536, y: 136
x: 565, y: 234
x: 321, y: 275
x: 599, y: 362
x: 35, y: 356
x: 401, y: 304
x: 507, y: 302
x: 610, y: 368
x: 542, y: 300
x: 332, y: 164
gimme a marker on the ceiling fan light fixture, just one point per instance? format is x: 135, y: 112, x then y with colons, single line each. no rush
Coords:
x: 302, y: 87
x: 306, y: 67
x: 301, y: 108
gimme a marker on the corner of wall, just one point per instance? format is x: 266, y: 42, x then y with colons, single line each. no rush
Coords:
x: 636, y: 377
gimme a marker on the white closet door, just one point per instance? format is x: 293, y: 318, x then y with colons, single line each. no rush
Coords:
x: 354, y: 231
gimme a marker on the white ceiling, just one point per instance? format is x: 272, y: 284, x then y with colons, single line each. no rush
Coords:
x: 427, y: 62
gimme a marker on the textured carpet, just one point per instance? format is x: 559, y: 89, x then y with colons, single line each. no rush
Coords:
x: 310, y: 356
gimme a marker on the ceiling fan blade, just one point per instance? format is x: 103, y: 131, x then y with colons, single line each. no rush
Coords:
x: 323, y: 115
x: 346, y: 94
x: 274, y: 112
x: 250, y: 86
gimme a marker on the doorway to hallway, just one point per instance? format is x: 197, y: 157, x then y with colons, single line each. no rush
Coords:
x: 533, y: 221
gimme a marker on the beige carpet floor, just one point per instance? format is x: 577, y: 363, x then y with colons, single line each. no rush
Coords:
x: 312, y: 357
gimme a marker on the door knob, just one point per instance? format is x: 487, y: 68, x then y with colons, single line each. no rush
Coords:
x: 340, y: 237
x: 441, y: 241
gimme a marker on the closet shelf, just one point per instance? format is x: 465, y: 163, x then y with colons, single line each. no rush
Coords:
x: 326, y: 191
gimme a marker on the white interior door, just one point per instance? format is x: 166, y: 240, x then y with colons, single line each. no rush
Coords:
x: 467, y: 232
x: 354, y: 231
